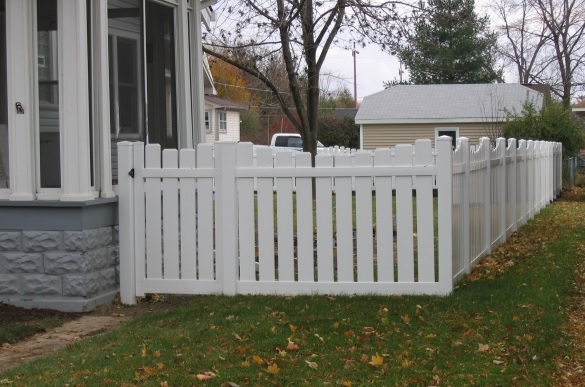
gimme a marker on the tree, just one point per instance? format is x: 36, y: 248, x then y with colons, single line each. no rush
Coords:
x: 543, y: 41
x: 448, y: 43
x: 299, y: 34
x: 551, y: 123
x: 340, y: 98
x: 340, y: 131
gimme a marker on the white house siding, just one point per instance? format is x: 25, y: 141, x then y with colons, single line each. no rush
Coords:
x: 233, y: 125
x: 390, y: 135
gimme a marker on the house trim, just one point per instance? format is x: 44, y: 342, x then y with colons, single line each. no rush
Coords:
x: 422, y: 121
x: 53, y: 215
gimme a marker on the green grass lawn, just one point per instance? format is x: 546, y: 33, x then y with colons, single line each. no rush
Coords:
x: 501, y: 326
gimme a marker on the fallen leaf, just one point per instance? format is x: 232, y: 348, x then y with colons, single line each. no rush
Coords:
x: 345, y: 383
x: 148, y: 370
x: 245, y: 363
x: 498, y: 362
x: 483, y: 347
x: 405, y: 319
x: 257, y: 359
x: 160, y: 366
x: 206, y: 376
x: 377, y: 360
x: 118, y: 315
x: 237, y: 337
x: 273, y: 369
x: 292, y: 328
x: 431, y: 336
x: 349, y: 364
x: 364, y: 358
x: 164, y: 384
x: 157, y: 353
x: 311, y: 364
x: 143, y: 351
x: 292, y: 346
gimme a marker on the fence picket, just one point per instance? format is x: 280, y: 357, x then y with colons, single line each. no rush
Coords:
x: 404, y: 222
x: 284, y: 219
x: 344, y: 222
x: 265, y: 218
x: 187, y: 218
x: 324, y: 221
x: 205, y: 220
x: 384, y: 219
x: 170, y: 208
x: 305, y: 248
x: 364, y: 221
x: 425, y: 214
x: 152, y: 188
x: 246, y: 218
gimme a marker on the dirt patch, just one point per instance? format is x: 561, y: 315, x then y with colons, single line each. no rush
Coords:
x: 79, y: 326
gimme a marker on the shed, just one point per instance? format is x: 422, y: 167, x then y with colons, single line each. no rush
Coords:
x: 403, y: 113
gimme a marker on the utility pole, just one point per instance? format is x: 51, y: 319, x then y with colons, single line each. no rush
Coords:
x: 354, y: 53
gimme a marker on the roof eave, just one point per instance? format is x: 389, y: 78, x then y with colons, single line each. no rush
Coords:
x: 421, y: 121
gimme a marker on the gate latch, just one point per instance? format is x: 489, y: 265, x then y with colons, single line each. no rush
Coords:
x: 131, y: 173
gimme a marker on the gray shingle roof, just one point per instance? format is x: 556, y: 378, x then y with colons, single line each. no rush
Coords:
x: 456, y: 102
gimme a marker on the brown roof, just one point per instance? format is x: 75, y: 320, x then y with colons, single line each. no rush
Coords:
x: 224, y: 103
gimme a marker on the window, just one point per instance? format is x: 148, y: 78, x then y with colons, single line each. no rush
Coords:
x: 207, y: 122
x: 141, y: 47
x: 48, y: 95
x: 222, y: 120
x: 4, y: 172
x: 451, y: 132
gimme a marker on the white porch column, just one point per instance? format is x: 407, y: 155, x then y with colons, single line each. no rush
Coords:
x: 20, y: 61
x: 184, y: 77
x: 74, y: 100
x: 197, y: 76
x: 101, y: 97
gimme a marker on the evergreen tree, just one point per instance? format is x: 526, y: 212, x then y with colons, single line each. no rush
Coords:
x: 449, y: 43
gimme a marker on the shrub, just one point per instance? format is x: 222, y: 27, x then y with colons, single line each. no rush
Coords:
x: 340, y: 131
x: 552, y: 123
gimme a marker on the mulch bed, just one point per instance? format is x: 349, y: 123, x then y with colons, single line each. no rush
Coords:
x: 12, y: 314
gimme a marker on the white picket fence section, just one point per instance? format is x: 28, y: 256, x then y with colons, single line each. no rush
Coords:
x: 233, y: 220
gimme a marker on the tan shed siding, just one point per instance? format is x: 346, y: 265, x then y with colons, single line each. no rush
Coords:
x: 390, y: 135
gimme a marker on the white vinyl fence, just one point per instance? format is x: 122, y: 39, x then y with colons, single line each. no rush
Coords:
x: 409, y: 220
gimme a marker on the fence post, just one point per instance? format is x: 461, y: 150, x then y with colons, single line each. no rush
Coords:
x: 226, y: 231
x: 501, y: 147
x: 522, y: 182
x: 464, y: 216
x: 512, y: 184
x: 126, y: 223
x: 445, y: 201
x: 486, y: 146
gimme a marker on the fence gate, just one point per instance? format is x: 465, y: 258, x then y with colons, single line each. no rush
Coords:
x: 245, y: 222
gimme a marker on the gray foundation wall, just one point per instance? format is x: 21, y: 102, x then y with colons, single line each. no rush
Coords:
x: 70, y: 268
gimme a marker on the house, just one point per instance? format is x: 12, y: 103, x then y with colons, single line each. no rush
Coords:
x: 222, y: 119
x: 76, y: 78
x: 403, y: 113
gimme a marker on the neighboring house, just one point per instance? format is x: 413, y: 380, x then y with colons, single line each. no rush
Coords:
x: 401, y: 114
x: 76, y: 78
x: 578, y: 112
x: 222, y: 119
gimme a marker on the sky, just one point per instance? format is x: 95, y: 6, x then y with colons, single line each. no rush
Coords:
x: 373, y: 68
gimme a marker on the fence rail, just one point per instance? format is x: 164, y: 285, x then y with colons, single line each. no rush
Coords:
x: 411, y: 220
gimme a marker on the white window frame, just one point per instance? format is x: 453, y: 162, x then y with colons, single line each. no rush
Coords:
x: 221, y: 113
x: 444, y: 129
x: 208, y: 121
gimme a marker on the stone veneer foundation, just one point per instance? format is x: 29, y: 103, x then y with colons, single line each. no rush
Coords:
x: 71, y: 268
